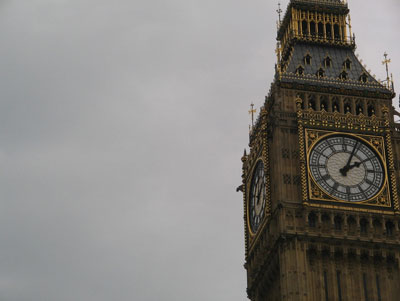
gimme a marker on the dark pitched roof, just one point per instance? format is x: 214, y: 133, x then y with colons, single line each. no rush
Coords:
x: 331, y: 77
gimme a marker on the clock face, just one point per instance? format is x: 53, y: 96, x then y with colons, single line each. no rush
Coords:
x: 346, y: 168
x: 257, y: 197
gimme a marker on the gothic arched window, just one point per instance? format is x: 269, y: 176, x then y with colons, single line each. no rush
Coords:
x: 324, y: 103
x: 338, y: 221
x: 371, y: 110
x: 328, y: 28
x: 363, y: 226
x: 304, y: 27
x: 364, y: 78
x: 328, y: 62
x: 312, y: 28
x: 320, y: 73
x: 300, y: 71
x: 359, y: 109
x: 344, y: 75
x: 312, y: 220
x: 320, y: 29
x: 307, y: 59
x: 347, y: 64
x: 336, y: 31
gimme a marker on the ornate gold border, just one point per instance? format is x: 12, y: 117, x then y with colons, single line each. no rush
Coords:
x: 377, y: 143
x: 264, y: 157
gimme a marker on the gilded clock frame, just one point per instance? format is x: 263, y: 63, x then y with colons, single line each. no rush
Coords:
x: 248, y: 192
x: 360, y: 126
x: 376, y: 143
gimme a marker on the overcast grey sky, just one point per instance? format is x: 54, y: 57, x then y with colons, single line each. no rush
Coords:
x: 122, y: 124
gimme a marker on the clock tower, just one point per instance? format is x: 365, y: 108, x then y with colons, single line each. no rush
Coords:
x: 320, y: 183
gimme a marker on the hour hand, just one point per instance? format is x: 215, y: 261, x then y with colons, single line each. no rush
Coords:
x: 345, y: 169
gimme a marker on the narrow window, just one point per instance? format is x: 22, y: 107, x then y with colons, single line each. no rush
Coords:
x: 364, y: 78
x: 359, y: 109
x: 300, y: 71
x: 321, y: 29
x: 378, y: 287
x: 389, y: 228
x: 337, y: 33
x: 304, y: 28
x: 328, y: 31
x: 328, y: 62
x: 365, y: 286
x: 363, y: 226
x: 339, y: 286
x: 347, y: 64
x: 338, y: 223
x: 312, y: 219
x: 312, y: 28
x: 307, y: 59
x: 320, y: 73
x: 371, y: 110
x: 326, y: 286
x: 343, y: 75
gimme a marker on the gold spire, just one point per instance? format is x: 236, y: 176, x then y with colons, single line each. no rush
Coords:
x: 279, y: 11
x: 386, y: 62
x: 251, y: 112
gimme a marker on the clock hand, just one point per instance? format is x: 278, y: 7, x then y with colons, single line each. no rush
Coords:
x: 356, y: 164
x: 346, y: 168
x: 352, y: 154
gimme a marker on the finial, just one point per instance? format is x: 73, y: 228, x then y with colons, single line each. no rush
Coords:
x: 251, y: 112
x: 386, y: 62
x: 279, y: 11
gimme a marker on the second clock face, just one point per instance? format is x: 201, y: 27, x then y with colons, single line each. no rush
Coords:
x: 257, y: 197
x: 346, y: 168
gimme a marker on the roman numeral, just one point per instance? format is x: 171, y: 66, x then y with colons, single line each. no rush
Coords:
x: 326, y: 177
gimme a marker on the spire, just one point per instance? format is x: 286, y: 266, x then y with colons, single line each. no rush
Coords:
x: 386, y: 62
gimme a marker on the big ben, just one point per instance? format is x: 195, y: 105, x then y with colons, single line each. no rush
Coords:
x: 321, y: 180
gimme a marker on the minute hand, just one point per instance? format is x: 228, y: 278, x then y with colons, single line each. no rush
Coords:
x: 347, y: 167
x: 352, y: 154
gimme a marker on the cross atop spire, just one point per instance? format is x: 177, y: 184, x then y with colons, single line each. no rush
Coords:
x: 279, y: 11
x: 252, y: 112
x: 386, y: 62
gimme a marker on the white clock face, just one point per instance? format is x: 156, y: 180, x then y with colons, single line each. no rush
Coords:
x: 346, y: 168
x: 257, y: 197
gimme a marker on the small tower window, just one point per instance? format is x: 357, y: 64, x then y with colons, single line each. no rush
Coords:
x: 347, y: 64
x: 328, y: 28
x: 300, y: 71
x: 336, y: 31
x: 363, y: 226
x: 364, y: 78
x: 328, y: 62
x: 307, y: 59
x: 304, y: 28
x: 320, y: 29
x: 311, y: 102
x: 338, y: 222
x: 335, y: 104
x: 344, y: 75
x: 371, y: 110
x: 312, y: 28
x: 324, y: 103
x: 312, y: 220
x: 359, y: 109
x: 320, y: 73
x: 389, y: 228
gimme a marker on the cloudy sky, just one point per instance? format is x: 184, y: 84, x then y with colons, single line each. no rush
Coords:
x: 122, y: 124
